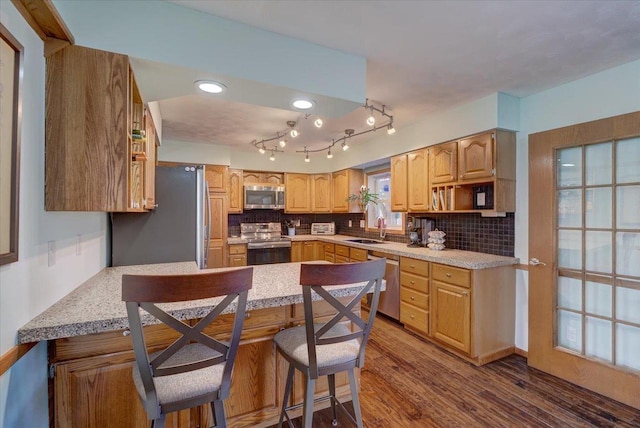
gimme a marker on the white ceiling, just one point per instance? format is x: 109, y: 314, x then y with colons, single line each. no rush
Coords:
x: 422, y: 57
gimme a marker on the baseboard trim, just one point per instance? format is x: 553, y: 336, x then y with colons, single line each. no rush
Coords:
x: 521, y: 352
x: 9, y: 358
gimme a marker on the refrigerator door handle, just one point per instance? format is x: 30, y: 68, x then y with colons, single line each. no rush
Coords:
x: 208, y: 226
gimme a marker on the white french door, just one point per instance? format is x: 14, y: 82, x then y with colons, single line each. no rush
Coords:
x: 584, y: 243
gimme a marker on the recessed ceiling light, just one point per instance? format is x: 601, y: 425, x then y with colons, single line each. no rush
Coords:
x: 303, y: 104
x: 210, y: 86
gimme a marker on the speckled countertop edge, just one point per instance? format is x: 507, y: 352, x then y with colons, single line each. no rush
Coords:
x: 458, y: 258
x: 96, y: 305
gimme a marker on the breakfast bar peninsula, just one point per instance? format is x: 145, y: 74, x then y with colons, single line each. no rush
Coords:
x: 90, y: 353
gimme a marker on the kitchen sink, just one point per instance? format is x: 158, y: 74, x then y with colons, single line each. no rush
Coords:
x: 365, y: 241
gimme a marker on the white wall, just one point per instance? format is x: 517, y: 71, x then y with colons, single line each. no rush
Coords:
x: 29, y: 286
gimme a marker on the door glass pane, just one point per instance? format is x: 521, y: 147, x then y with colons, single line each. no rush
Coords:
x: 628, y: 207
x: 570, y: 330
x: 570, y: 249
x: 570, y: 167
x: 628, y: 346
x: 599, y: 251
x: 628, y: 305
x: 598, y: 342
x: 598, y: 208
x: 628, y: 160
x: 569, y: 293
x: 628, y: 253
x: 570, y: 208
x: 598, y: 164
x: 598, y: 299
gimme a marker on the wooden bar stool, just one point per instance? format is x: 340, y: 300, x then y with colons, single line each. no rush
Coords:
x: 196, y: 368
x: 318, y: 349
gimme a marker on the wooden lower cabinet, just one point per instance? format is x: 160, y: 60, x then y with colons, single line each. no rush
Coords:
x: 414, y: 294
x: 305, y: 251
x: 93, y: 388
x: 472, y: 312
x: 237, y: 255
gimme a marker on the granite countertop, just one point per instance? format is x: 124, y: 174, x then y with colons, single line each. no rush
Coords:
x: 96, y: 306
x: 459, y: 258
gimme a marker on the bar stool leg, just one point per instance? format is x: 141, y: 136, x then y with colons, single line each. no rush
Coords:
x: 287, y: 392
x: 309, y: 392
x: 354, y: 398
x: 332, y: 394
x: 218, y: 413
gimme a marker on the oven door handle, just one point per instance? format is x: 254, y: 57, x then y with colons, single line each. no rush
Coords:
x: 263, y: 245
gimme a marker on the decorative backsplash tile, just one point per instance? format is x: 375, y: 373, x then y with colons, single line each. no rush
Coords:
x: 464, y: 231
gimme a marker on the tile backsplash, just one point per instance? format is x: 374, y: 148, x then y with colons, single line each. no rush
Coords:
x: 492, y: 235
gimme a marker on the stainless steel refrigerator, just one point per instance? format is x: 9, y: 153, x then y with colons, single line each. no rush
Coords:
x: 177, y: 230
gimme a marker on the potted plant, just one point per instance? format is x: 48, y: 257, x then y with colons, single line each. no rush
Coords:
x: 364, y: 198
x: 291, y: 227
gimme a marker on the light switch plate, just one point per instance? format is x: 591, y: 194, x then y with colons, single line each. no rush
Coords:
x: 362, y: 224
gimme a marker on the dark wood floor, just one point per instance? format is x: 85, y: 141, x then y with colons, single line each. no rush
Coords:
x: 408, y: 382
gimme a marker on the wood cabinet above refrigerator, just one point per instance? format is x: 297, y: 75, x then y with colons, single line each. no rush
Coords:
x: 96, y: 142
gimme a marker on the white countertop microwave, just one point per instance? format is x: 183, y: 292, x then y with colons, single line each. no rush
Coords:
x: 263, y: 197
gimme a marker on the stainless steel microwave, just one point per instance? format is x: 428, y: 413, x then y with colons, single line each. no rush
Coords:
x: 263, y: 197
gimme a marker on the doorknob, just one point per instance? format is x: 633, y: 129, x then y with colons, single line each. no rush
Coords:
x: 535, y: 262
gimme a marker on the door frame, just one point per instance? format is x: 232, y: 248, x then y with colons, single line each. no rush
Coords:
x: 613, y: 382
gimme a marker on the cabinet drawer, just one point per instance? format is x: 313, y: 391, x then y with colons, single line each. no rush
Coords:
x: 321, y: 308
x: 451, y: 275
x: 341, y: 259
x: 330, y: 257
x: 415, y: 282
x: 259, y: 318
x: 341, y: 250
x: 237, y: 260
x: 415, y: 298
x: 414, y: 317
x: 418, y: 267
x: 357, y: 255
x: 329, y: 248
x: 237, y: 249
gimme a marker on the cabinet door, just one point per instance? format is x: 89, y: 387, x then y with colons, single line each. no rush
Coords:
x: 81, y: 384
x: 273, y: 178
x: 297, y: 193
x: 296, y: 251
x: 308, y: 251
x: 451, y: 315
x: 475, y: 157
x: 417, y: 178
x: 340, y: 185
x: 250, y: 177
x: 216, y: 176
x: 235, y: 191
x: 321, y: 193
x: 444, y: 162
x: 399, y: 183
x: 217, y: 230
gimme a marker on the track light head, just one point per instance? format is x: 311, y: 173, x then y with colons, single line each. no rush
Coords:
x: 282, y: 142
x: 329, y: 155
x: 318, y: 123
x: 272, y: 157
x: 345, y: 146
x: 262, y: 150
x: 391, y: 130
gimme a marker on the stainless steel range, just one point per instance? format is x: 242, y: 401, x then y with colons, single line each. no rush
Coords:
x: 265, y: 243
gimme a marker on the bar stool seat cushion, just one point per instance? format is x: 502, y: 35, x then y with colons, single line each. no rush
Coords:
x: 188, y: 385
x: 293, y: 342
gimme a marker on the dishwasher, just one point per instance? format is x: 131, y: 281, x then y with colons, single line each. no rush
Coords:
x: 389, y: 302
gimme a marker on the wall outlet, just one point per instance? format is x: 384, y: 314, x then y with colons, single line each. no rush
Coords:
x: 362, y: 224
x: 51, y: 253
x: 296, y: 223
x: 350, y: 223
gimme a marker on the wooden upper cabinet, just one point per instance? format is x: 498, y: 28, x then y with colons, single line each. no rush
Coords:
x: 94, y: 133
x: 443, y: 163
x: 217, y: 177
x: 297, y: 193
x: 150, y: 164
x: 475, y: 157
x: 263, y: 177
x: 321, y: 193
x: 417, y: 180
x: 236, y: 191
x: 344, y: 183
x: 399, y: 183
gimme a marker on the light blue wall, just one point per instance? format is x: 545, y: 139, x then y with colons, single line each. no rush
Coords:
x: 29, y: 286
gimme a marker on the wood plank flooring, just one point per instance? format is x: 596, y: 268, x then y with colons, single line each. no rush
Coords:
x: 409, y: 382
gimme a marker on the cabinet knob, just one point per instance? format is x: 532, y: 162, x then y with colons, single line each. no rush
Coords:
x: 412, y: 282
x: 411, y: 316
x: 465, y: 293
x: 247, y: 314
x: 126, y: 333
x: 448, y: 275
x: 413, y: 298
x: 412, y: 266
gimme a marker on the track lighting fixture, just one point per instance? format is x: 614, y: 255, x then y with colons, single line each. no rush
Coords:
x: 279, y: 141
x: 371, y: 120
x: 272, y: 157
